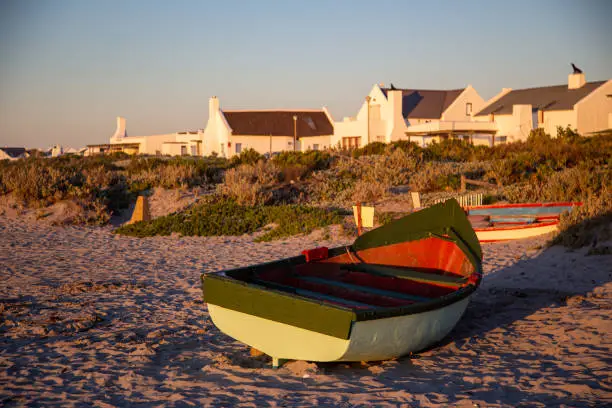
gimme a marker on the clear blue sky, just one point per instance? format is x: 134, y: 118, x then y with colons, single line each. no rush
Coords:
x: 69, y: 67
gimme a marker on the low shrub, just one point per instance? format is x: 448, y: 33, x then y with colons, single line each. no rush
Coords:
x: 455, y: 150
x: 369, y: 149
x: 248, y: 184
x: 101, y: 183
x: 589, y: 224
x: 440, y: 176
x: 368, y: 191
x: 572, y: 184
x: 386, y: 217
x: 312, y: 159
x: 219, y: 216
x: 247, y: 156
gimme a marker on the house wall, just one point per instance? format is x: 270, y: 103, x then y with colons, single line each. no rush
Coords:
x: 420, y: 121
x: 153, y: 144
x: 505, y: 123
x: 217, y: 132
x: 522, y: 121
x: 457, y: 110
x: 324, y: 142
x: 260, y: 143
x: 552, y: 119
x: 594, y: 111
x: 173, y: 149
x: 358, y: 126
x: 396, y: 124
x: 518, y: 125
x: 349, y: 128
x: 125, y: 140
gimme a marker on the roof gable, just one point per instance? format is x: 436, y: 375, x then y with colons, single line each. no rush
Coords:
x: 279, y: 123
x: 557, y: 97
x: 14, y: 152
x: 425, y: 104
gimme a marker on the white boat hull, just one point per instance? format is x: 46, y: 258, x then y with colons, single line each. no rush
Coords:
x: 516, y: 232
x: 369, y: 340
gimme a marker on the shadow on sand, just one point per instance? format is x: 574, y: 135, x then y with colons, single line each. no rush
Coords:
x: 462, y: 366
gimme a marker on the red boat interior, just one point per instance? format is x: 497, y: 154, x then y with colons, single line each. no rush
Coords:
x: 342, y: 285
x: 407, y: 276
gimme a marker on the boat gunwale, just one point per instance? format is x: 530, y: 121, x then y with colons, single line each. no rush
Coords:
x: 526, y: 205
x: 360, y: 315
x: 518, y: 227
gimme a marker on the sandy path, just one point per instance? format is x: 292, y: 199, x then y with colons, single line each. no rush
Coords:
x: 89, y: 318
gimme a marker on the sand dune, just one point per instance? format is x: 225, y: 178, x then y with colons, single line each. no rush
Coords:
x: 90, y: 318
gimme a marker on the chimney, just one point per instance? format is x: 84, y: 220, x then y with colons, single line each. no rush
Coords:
x: 575, y: 81
x: 213, y: 108
x: 395, y: 102
x: 121, y: 131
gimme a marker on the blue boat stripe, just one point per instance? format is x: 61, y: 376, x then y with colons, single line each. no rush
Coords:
x: 367, y: 289
x: 321, y: 296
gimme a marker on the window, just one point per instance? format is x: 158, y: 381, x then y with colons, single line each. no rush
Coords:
x: 468, y: 108
x: 351, y: 142
x: 183, y: 150
x: 315, y: 147
x: 238, y: 148
x: 194, y: 150
x: 310, y: 122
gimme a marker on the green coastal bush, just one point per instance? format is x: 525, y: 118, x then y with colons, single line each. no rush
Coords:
x: 219, y: 216
x: 247, y: 156
x: 369, y: 149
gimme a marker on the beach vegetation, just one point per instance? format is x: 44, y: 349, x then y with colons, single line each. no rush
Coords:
x: 225, y: 216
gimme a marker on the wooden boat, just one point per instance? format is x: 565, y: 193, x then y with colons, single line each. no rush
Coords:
x: 397, y: 289
x: 505, y: 222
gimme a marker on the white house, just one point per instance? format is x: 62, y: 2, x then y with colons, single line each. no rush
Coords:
x: 228, y: 132
x: 390, y: 114
x: 13, y: 153
x: 173, y: 144
x: 584, y: 106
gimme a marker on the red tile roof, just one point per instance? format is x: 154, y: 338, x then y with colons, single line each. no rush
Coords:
x: 279, y: 123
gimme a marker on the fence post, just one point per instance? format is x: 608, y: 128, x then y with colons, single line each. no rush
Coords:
x: 359, y: 218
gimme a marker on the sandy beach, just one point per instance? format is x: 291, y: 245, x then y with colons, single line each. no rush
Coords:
x: 88, y: 318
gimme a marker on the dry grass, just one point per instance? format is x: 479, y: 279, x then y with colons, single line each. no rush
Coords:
x: 249, y: 184
x: 589, y: 224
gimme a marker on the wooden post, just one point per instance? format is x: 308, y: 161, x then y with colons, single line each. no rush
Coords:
x: 359, y: 228
x: 141, y: 211
x: 463, y: 188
